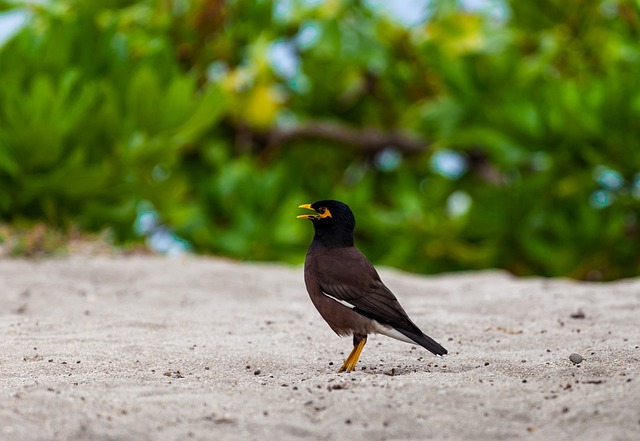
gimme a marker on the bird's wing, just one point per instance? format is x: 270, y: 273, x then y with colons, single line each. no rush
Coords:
x: 351, y: 279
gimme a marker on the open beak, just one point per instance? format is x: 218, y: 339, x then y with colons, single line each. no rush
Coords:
x: 307, y: 216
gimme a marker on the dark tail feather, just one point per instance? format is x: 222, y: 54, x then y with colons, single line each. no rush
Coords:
x: 426, y: 342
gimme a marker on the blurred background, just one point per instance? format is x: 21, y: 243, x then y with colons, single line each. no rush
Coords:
x: 464, y: 134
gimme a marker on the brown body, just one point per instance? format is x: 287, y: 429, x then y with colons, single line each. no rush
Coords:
x: 340, y: 318
x: 348, y: 268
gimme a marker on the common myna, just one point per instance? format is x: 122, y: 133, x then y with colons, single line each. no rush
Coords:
x: 346, y: 289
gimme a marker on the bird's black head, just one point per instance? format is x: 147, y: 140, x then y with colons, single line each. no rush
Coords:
x: 333, y: 222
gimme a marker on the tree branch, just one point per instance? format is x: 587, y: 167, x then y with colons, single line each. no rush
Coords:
x: 365, y: 139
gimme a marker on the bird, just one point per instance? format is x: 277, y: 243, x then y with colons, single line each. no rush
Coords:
x: 346, y: 289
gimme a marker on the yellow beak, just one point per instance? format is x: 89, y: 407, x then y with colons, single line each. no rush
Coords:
x: 307, y: 216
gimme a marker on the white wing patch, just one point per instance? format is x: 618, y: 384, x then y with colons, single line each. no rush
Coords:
x: 342, y: 302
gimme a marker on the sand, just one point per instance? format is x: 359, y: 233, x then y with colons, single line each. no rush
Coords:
x: 153, y: 348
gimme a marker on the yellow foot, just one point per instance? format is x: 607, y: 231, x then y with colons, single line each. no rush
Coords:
x: 350, y: 363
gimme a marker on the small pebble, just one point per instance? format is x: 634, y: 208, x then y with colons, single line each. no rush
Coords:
x: 575, y: 358
x: 578, y: 315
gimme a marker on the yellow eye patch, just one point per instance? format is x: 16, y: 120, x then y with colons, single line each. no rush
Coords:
x: 324, y: 212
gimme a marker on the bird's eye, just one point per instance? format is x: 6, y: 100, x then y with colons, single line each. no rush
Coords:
x: 324, y: 212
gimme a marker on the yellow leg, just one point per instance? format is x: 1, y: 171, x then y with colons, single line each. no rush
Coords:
x: 350, y: 363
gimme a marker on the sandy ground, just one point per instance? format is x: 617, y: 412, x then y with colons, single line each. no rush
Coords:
x: 151, y: 348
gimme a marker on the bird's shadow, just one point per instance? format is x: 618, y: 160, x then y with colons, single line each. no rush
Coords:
x: 395, y: 371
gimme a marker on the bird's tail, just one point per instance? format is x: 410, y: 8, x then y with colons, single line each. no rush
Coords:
x: 426, y: 342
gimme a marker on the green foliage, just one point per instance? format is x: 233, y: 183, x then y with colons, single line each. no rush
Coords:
x: 86, y: 132
x: 107, y: 106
